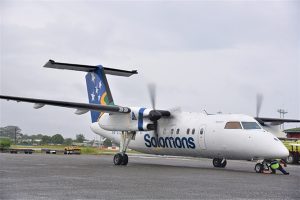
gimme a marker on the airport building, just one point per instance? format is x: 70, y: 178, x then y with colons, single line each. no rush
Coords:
x: 293, y: 133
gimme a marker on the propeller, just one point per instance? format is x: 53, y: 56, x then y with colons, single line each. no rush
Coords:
x: 154, y: 115
x: 152, y: 93
x: 259, y: 100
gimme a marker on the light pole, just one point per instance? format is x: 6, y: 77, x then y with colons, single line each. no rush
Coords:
x: 282, y: 112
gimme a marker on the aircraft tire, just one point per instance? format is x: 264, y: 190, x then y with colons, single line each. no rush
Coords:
x: 223, y: 164
x: 124, y: 159
x: 118, y: 159
x: 290, y: 159
x: 217, y: 162
x: 259, y: 168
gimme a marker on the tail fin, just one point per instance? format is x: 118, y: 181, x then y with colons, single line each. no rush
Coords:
x: 98, y: 90
x: 97, y: 85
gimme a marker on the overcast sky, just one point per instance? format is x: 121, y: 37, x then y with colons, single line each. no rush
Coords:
x: 212, y: 55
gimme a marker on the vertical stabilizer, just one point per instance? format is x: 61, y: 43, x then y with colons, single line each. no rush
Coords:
x: 98, y: 90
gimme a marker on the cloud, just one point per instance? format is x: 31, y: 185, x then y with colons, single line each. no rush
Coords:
x: 202, y: 55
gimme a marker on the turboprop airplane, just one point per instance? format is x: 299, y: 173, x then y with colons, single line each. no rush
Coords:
x: 167, y: 132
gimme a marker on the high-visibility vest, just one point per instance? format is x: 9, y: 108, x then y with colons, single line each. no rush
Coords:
x: 274, y: 164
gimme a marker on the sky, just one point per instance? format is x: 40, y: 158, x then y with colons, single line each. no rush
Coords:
x: 212, y: 55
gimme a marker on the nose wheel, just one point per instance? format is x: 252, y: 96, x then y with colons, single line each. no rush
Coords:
x: 259, y: 168
x: 219, y: 162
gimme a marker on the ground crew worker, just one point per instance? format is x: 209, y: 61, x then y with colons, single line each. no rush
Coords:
x: 275, y: 164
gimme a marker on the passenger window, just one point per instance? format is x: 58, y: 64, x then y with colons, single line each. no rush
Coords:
x: 172, y: 131
x: 188, y: 131
x: 201, y: 131
x: 177, y: 131
x: 193, y: 131
x: 233, y: 125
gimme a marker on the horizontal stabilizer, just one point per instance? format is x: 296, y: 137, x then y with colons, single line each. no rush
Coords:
x: 81, y: 107
x: 88, y: 68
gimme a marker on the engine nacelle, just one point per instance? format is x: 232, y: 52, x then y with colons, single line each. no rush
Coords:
x: 136, y: 120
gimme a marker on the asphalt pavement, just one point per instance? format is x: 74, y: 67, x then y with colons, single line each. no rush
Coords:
x: 40, y: 176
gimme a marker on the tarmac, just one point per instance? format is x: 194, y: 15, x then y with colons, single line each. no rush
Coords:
x: 40, y: 176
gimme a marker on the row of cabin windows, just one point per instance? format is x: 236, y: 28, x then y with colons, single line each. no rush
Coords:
x: 188, y: 131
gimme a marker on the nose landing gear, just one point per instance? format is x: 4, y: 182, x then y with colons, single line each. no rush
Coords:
x: 219, y: 162
x: 261, y: 166
x: 122, y: 158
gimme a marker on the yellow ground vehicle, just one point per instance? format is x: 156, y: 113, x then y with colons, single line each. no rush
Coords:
x: 293, y: 145
x: 72, y: 150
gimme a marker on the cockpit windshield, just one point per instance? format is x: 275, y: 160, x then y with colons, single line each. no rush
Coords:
x: 242, y: 125
x: 233, y: 125
x: 250, y: 125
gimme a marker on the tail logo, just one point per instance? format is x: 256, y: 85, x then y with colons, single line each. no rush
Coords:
x: 104, y: 99
x: 98, y: 91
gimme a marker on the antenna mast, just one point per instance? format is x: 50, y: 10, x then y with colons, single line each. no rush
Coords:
x: 282, y: 112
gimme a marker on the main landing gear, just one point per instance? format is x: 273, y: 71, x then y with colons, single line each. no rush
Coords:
x: 219, y: 162
x: 122, y: 158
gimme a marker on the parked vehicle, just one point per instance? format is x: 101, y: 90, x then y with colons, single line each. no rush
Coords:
x: 72, y: 150
x: 293, y: 145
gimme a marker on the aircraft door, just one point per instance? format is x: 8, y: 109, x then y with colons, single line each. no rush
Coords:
x: 201, y: 136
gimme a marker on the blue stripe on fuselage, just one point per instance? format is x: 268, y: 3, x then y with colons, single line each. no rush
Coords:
x: 140, y: 119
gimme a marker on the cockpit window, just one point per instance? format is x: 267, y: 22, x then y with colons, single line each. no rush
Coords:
x: 233, y: 125
x: 250, y: 125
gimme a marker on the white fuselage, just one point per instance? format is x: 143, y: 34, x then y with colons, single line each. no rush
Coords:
x: 201, y: 135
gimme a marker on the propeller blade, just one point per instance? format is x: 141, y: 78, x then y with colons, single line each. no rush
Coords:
x: 156, y: 129
x: 259, y: 100
x: 152, y: 93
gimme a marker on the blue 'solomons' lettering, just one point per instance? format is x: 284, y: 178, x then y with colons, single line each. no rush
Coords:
x: 169, y: 142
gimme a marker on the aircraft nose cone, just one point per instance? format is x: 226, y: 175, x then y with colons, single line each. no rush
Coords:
x: 283, y: 152
x: 277, y: 150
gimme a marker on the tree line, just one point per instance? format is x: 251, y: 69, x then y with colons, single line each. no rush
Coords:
x: 55, y: 139
x: 14, y: 134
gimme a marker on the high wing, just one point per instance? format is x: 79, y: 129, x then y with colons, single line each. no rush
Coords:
x: 81, y: 107
x: 277, y: 121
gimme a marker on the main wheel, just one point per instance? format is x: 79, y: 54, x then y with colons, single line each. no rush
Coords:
x: 124, y: 159
x: 259, y: 168
x: 217, y: 162
x: 118, y: 158
x: 223, y: 164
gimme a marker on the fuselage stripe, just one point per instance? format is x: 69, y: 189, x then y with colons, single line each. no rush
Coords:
x: 140, y: 119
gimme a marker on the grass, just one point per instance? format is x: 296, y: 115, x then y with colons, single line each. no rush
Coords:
x: 58, y: 147
x: 84, y: 150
